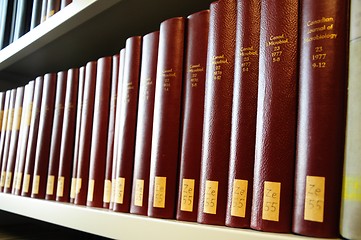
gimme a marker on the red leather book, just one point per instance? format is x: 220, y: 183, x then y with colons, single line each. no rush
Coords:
x: 99, y: 133
x: 166, y: 119
x: 143, y: 142
x: 244, y: 115
x: 5, y: 153
x: 116, y: 127
x: 276, y: 117
x: 56, y: 135
x: 38, y: 188
x: 65, y: 3
x: 111, y: 131
x: 127, y: 126
x: 217, y: 113
x: 23, y: 138
x: 32, y: 140
x: 196, y: 43
x: 2, y: 105
x: 85, y: 134
x: 52, y: 7
x: 321, y: 117
x: 4, y: 125
x: 67, y: 137
x: 15, y: 129
x: 76, y: 136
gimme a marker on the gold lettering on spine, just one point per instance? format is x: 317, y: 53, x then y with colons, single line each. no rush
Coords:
x: 193, y: 70
x: 168, y: 74
x: 247, y: 53
x: 218, y: 61
x: 276, y: 43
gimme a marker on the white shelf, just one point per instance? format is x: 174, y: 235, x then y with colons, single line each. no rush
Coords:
x: 127, y: 226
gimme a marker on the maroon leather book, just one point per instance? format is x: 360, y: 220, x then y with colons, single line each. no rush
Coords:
x: 128, y: 120
x: 67, y: 137
x: 111, y: 131
x: 85, y: 134
x: 276, y: 117
x: 54, y: 154
x: 116, y: 127
x: 143, y: 142
x: 5, y: 153
x: 166, y: 119
x: 53, y: 6
x: 244, y: 115
x: 32, y: 140
x: 2, y: 105
x: 321, y: 117
x: 4, y: 125
x: 196, y: 43
x: 14, y: 138
x: 217, y: 113
x: 23, y: 138
x: 65, y: 3
x: 76, y: 136
x: 44, y: 136
x: 99, y: 133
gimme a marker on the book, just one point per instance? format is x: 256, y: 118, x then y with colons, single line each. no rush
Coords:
x: 196, y: 43
x: 350, y: 219
x: 99, y: 133
x: 53, y: 6
x: 244, y: 115
x: 143, y: 139
x: 4, y: 124
x: 44, y: 9
x: 85, y: 134
x: 217, y: 113
x: 65, y: 3
x: 276, y: 117
x: 166, y: 119
x: 22, y: 19
x: 38, y: 189
x: 24, y: 136
x: 127, y: 124
x: 6, y: 11
x: 14, y: 138
x: 56, y: 136
x: 2, y: 106
x: 322, y: 99
x: 107, y: 191
x: 116, y: 127
x: 76, y: 135
x: 5, y: 151
x: 36, y: 13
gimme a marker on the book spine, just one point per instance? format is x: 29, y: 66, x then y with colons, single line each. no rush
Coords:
x: 128, y: 119
x: 38, y: 188
x: 56, y: 135
x: 67, y: 137
x: 166, y: 119
x: 111, y: 132
x: 99, y: 133
x: 15, y: 128
x: 244, y: 115
x: 4, y: 124
x: 2, y: 106
x: 24, y: 137
x: 36, y: 13
x: 276, y: 117
x: 85, y: 134
x: 143, y: 144
x: 351, y: 192
x: 5, y: 22
x: 217, y: 113
x: 43, y: 12
x: 77, y: 134
x: 196, y: 43
x: 53, y: 7
x: 65, y: 3
x: 322, y: 99
x: 22, y: 19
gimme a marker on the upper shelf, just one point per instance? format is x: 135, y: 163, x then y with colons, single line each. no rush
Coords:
x: 83, y: 31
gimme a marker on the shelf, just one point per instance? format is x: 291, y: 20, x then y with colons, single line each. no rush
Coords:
x: 127, y: 226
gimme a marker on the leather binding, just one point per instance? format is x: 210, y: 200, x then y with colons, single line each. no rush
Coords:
x: 2, y: 105
x: 56, y: 135
x: 5, y: 22
x: 143, y: 142
x: 65, y: 3
x: 196, y: 43
x: 351, y: 192
x: 78, y: 120
x: 116, y: 127
x: 44, y: 9
x: 98, y: 148
x: 85, y: 134
x: 23, y: 137
x: 244, y: 115
x: 111, y: 131
x: 321, y: 121
x: 5, y: 152
x: 127, y: 126
x: 67, y: 137
x: 52, y: 7
x: 166, y: 119
x: 14, y: 139
x: 36, y: 13
x: 22, y: 19
x: 276, y: 117
x: 44, y: 136
x: 4, y: 124
x: 217, y: 113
